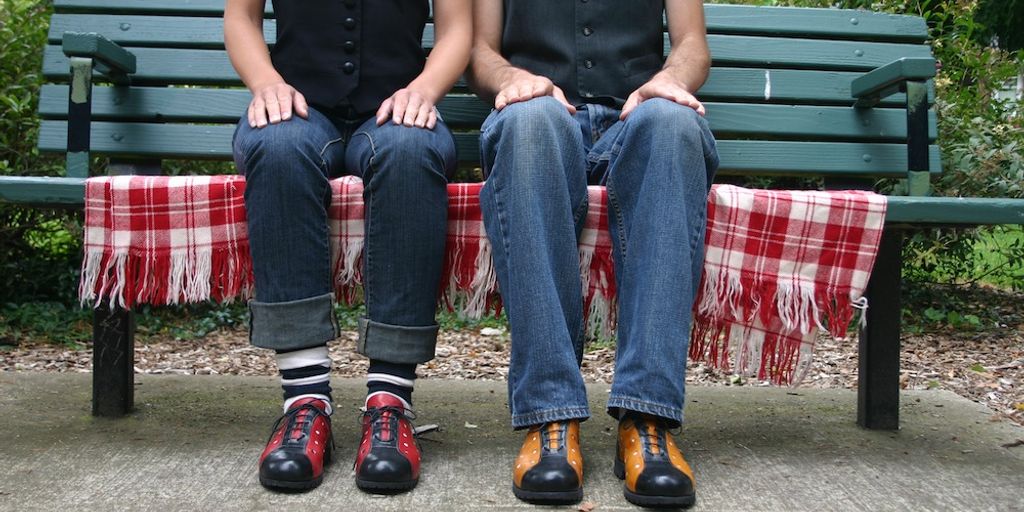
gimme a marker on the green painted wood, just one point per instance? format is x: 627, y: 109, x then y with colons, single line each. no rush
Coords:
x: 886, y: 80
x: 182, y: 7
x: 98, y: 48
x: 728, y: 120
x: 806, y: 22
x: 747, y: 51
x: 726, y: 19
x: 790, y: 86
x: 901, y: 210
x: 737, y: 156
x: 42, y: 190
x: 151, y: 31
x: 723, y: 85
x: 207, y: 32
x: 211, y: 66
x: 954, y: 211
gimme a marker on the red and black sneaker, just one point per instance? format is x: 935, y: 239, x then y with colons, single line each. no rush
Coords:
x: 299, y: 447
x: 388, y: 460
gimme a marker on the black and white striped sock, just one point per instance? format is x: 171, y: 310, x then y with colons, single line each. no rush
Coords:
x: 394, y: 378
x: 305, y: 373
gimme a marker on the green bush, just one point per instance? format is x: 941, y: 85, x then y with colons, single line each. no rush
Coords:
x: 39, y: 249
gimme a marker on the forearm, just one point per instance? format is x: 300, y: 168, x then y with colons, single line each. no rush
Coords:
x: 689, y: 59
x: 243, y: 38
x: 689, y: 62
x: 489, y: 72
x: 444, y: 66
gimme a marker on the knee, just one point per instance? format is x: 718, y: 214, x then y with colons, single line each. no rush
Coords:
x: 667, y: 118
x: 286, y: 157
x: 538, y: 117
x: 410, y: 149
x: 279, y: 144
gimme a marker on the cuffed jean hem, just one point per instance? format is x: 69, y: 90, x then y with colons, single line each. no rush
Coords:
x: 674, y: 415
x: 293, y: 325
x: 396, y: 343
x: 521, y: 421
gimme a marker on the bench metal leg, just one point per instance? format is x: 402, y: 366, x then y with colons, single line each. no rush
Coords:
x: 878, y: 391
x: 113, y: 362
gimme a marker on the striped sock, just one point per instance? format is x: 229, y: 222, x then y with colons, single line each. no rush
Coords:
x: 305, y: 373
x: 394, y: 378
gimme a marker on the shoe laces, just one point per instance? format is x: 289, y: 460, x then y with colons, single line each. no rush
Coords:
x: 296, y: 421
x: 548, y: 434
x: 384, y: 420
x: 652, y: 434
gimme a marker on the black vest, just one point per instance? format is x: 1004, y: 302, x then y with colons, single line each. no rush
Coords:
x: 597, y: 51
x: 349, y: 52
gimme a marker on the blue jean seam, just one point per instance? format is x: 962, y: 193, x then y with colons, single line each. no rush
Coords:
x: 613, y: 203
x: 323, y: 161
x: 547, y: 415
x: 628, y: 403
x: 367, y: 287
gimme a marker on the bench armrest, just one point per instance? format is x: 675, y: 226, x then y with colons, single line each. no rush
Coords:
x: 108, y: 57
x: 871, y: 87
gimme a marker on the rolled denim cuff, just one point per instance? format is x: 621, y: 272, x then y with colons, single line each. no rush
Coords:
x: 292, y: 325
x: 396, y: 343
x: 674, y: 415
x: 521, y: 421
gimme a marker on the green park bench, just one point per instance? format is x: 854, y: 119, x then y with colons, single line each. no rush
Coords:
x: 840, y: 95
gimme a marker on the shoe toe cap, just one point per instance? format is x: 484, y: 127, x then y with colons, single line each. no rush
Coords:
x: 391, y: 466
x: 664, y: 481
x: 549, y: 476
x: 281, y: 465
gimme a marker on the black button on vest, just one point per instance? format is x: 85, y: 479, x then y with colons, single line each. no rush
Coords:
x: 587, y: 48
x: 349, y: 52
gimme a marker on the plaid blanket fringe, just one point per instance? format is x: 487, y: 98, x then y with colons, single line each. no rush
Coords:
x: 171, y: 240
x: 778, y: 267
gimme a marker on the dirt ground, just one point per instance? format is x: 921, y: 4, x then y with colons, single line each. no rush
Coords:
x: 985, y: 366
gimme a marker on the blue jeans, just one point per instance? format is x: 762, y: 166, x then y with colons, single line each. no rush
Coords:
x: 405, y: 175
x: 658, y: 165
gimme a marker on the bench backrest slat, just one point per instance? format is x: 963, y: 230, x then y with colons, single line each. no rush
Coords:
x: 467, y: 111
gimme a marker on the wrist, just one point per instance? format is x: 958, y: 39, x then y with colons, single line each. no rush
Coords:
x: 511, y: 74
x: 265, y: 81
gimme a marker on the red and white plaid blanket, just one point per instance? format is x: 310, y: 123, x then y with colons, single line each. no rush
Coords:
x: 779, y: 265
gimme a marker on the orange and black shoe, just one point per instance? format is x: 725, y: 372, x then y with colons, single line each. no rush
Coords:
x: 299, y: 447
x: 549, y: 469
x: 654, y: 470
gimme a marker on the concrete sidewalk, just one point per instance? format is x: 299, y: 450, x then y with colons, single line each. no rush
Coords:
x: 194, y: 441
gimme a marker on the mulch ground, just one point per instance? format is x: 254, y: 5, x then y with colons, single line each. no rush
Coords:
x: 986, y: 366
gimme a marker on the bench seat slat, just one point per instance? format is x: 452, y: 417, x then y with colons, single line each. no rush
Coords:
x: 738, y: 156
x: 909, y: 210
x: 463, y: 110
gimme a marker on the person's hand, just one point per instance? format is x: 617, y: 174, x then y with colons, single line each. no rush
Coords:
x: 664, y: 86
x: 526, y: 86
x: 408, y: 107
x: 276, y: 102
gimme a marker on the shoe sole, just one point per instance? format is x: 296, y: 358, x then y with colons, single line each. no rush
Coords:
x: 385, y: 487
x: 548, y: 498
x: 645, y: 500
x: 289, y: 485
